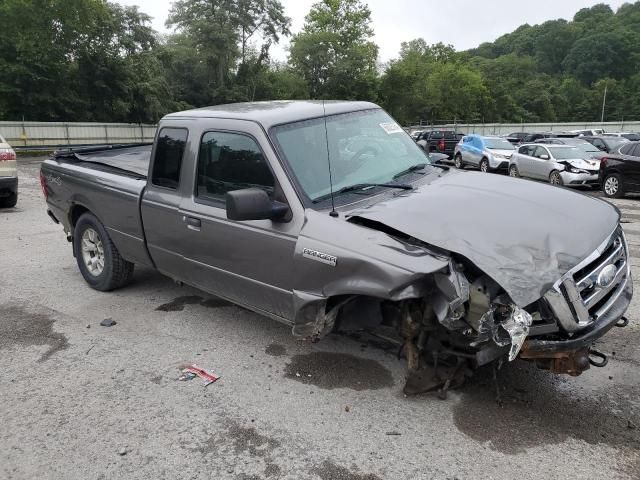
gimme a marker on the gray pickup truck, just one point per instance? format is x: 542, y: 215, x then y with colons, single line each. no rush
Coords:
x: 328, y: 217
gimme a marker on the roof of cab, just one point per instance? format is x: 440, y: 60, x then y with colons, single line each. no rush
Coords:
x: 273, y: 113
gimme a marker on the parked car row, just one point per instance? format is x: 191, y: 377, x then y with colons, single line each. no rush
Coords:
x: 611, y: 162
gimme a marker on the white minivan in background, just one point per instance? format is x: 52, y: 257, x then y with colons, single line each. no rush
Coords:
x: 8, y: 175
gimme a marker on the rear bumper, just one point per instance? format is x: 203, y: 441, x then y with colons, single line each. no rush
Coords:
x: 8, y: 186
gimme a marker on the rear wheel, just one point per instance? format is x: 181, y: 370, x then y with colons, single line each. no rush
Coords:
x: 98, y: 258
x: 555, y: 179
x: 484, y: 165
x: 612, y: 186
x: 513, y: 171
x: 10, y: 201
x: 458, y: 161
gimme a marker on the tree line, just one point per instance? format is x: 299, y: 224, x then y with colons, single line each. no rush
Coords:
x: 93, y: 60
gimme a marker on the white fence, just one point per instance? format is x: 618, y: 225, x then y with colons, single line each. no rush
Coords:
x: 57, y: 134
x: 505, y: 128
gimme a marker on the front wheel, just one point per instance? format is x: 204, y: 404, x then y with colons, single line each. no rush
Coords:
x: 98, y: 258
x: 612, y: 186
x: 555, y: 179
x: 513, y: 171
x: 484, y: 165
x: 458, y: 162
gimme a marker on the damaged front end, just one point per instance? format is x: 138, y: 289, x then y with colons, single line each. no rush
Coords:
x: 452, y: 321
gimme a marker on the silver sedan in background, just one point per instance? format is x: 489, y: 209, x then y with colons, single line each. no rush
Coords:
x: 557, y: 164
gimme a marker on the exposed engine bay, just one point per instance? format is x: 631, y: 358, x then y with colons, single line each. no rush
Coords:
x: 464, y: 321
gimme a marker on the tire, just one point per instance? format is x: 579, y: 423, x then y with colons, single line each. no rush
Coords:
x: 457, y: 161
x: 100, y: 263
x: 10, y: 201
x: 513, y: 171
x: 484, y: 166
x: 555, y: 179
x: 612, y: 186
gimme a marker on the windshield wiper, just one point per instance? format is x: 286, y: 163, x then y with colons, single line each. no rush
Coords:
x: 362, y: 186
x: 412, y: 168
x: 419, y: 166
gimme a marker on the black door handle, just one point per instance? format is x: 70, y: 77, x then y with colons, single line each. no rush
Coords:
x: 193, y: 223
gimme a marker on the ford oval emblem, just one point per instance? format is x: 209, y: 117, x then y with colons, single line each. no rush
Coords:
x: 606, y: 276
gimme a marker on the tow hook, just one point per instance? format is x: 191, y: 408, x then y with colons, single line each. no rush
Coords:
x: 622, y: 322
x: 595, y: 353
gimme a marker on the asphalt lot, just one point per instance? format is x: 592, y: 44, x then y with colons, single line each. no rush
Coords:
x: 78, y: 400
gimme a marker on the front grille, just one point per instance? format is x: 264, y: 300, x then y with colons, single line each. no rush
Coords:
x: 589, y: 290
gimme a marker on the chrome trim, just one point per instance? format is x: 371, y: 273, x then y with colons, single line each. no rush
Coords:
x: 571, y: 299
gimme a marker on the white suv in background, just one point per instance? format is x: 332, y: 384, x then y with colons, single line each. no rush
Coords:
x: 8, y: 175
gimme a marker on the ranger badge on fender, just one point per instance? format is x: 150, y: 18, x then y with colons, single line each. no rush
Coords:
x: 319, y: 256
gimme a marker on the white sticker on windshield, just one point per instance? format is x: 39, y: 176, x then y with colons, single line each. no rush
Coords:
x: 391, y: 127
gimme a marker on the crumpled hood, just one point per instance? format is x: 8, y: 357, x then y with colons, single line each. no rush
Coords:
x: 585, y: 164
x: 525, y: 235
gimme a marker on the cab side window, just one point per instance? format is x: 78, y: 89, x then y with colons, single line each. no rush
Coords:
x: 636, y: 151
x: 231, y: 161
x: 168, y: 159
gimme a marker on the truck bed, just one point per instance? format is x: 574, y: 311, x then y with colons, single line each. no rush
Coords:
x: 107, y: 181
x: 126, y: 158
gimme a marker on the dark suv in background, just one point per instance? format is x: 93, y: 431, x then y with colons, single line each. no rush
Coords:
x: 620, y: 172
x: 606, y: 144
x: 439, y: 141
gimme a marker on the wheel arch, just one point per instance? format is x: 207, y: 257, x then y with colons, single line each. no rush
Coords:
x: 75, y: 212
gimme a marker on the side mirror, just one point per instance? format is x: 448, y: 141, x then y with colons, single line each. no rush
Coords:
x: 544, y: 156
x: 254, y: 204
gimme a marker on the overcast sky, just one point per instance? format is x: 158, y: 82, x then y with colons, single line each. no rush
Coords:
x: 462, y: 23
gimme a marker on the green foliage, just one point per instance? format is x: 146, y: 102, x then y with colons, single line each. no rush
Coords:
x: 556, y: 71
x: 93, y: 60
x: 334, y: 53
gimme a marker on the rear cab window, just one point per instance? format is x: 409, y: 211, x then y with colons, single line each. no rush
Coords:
x: 170, y: 147
x: 230, y: 161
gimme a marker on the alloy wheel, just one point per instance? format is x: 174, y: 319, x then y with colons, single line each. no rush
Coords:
x: 92, y: 252
x: 611, y: 186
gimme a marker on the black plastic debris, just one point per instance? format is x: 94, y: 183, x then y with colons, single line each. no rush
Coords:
x: 108, y: 322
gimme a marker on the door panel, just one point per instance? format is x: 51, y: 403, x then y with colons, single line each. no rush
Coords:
x: 247, y: 262
x: 540, y: 166
x: 632, y: 167
x: 161, y: 201
x: 525, y: 161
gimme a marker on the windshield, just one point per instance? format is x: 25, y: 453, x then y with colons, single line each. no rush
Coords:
x: 498, y: 144
x: 587, y: 149
x: 365, y: 147
x: 565, y: 153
